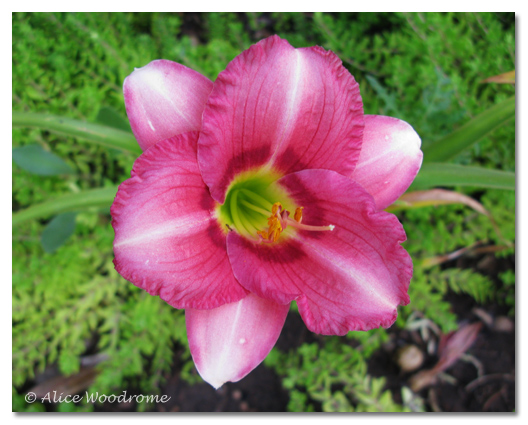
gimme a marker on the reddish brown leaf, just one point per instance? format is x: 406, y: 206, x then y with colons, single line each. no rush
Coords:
x: 434, y: 197
x: 506, y: 78
x: 454, y: 344
x: 450, y: 349
x: 68, y: 385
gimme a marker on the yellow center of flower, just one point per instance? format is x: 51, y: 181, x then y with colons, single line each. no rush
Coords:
x: 251, y: 209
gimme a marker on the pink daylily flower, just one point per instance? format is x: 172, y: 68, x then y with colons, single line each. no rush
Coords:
x: 265, y: 187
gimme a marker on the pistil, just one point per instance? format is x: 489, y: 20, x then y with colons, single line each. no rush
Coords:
x: 254, y: 207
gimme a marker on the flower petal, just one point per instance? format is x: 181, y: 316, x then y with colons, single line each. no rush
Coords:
x: 390, y: 158
x: 230, y: 341
x: 291, y: 109
x: 351, y: 278
x: 167, y: 240
x: 164, y: 99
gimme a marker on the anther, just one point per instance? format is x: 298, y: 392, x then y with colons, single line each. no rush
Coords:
x: 276, y: 208
x: 298, y: 214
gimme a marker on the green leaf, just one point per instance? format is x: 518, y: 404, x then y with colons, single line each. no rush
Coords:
x: 441, y: 174
x: 34, y: 159
x: 451, y: 145
x: 111, y: 118
x: 95, y: 133
x: 58, y: 231
x: 95, y: 198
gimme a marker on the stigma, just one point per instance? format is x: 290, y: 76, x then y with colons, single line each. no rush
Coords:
x: 279, y: 220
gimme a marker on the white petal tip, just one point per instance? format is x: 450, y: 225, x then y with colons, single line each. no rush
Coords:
x: 215, y: 385
x: 217, y: 380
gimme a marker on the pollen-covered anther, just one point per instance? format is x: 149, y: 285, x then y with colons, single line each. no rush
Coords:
x: 275, y: 229
x: 298, y: 214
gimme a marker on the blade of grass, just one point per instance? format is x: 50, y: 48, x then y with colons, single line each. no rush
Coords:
x: 95, y: 133
x: 451, y: 145
x: 441, y: 174
x: 99, y: 198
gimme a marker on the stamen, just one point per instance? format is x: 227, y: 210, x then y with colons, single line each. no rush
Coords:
x: 244, y: 219
x: 254, y: 207
x: 255, y: 222
x: 234, y: 211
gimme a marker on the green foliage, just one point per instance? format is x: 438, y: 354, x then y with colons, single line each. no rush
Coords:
x: 368, y: 342
x: 69, y: 306
x: 463, y: 281
x: 428, y: 291
x: 508, y: 293
x: 429, y: 301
